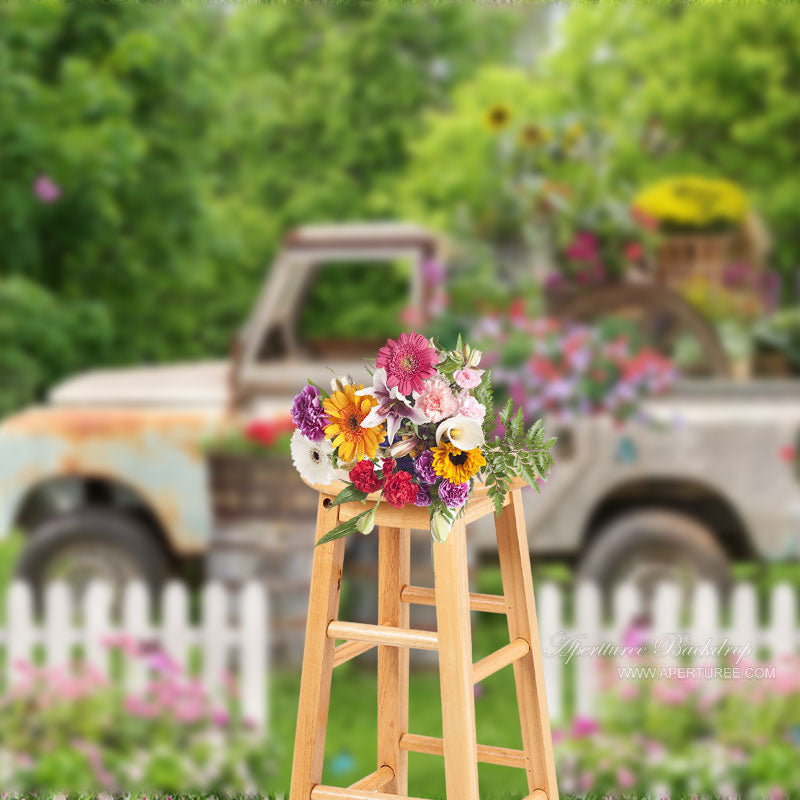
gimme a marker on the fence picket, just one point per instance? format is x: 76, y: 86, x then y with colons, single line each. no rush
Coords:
x: 21, y: 633
x: 782, y: 635
x: 58, y: 624
x: 136, y: 631
x: 174, y: 639
x: 666, y: 621
x: 254, y: 646
x: 588, y: 625
x: 705, y: 620
x: 215, y: 652
x: 744, y: 617
x: 551, y: 621
x: 97, y: 616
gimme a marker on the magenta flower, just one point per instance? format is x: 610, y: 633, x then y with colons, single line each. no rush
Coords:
x: 46, y: 189
x: 583, y: 727
x: 408, y: 362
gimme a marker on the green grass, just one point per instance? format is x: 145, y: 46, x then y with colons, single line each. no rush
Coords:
x: 350, y: 743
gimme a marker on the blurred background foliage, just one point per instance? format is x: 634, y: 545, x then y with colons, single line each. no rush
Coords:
x: 151, y: 157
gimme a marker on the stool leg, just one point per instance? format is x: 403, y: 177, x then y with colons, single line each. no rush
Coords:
x: 315, y: 683
x: 394, y: 572
x: 455, y: 665
x: 512, y: 547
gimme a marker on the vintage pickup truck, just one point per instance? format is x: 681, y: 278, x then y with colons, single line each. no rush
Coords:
x: 108, y: 479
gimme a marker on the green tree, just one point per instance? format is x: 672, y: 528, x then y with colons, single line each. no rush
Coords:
x: 174, y: 144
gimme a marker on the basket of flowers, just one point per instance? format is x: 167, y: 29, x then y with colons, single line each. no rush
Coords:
x: 423, y: 433
x: 706, y: 226
x: 249, y: 472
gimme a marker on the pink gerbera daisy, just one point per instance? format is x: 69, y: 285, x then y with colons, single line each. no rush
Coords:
x: 408, y: 362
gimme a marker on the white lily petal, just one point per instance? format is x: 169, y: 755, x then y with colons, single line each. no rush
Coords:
x: 373, y: 419
x: 392, y: 425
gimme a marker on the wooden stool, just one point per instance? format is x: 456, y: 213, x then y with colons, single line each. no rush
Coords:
x: 452, y: 640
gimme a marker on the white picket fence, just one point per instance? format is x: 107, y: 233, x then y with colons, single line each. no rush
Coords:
x: 219, y: 640
x: 707, y: 619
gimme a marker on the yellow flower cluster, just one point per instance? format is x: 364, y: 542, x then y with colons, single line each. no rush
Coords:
x: 693, y: 201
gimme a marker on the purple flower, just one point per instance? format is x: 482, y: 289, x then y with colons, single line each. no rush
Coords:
x: 423, y: 466
x: 453, y: 495
x: 423, y: 496
x: 583, y: 727
x: 308, y: 414
x: 433, y: 271
x: 46, y: 189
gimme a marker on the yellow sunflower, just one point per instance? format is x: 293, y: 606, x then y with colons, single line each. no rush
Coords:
x: 498, y: 116
x: 346, y: 412
x: 457, y: 466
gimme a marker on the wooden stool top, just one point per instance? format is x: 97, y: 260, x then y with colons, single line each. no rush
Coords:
x: 415, y: 517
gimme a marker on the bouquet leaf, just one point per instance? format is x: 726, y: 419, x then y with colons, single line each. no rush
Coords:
x: 348, y: 495
x: 343, y: 529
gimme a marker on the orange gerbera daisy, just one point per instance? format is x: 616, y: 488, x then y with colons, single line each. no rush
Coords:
x: 347, y: 411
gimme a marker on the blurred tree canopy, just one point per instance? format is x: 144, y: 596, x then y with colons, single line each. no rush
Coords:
x: 151, y: 156
x: 706, y: 88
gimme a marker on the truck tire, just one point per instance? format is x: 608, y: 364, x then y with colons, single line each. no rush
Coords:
x: 92, y: 544
x: 648, y: 546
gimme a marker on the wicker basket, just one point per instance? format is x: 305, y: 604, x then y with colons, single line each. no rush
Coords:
x: 682, y: 257
x: 257, y: 487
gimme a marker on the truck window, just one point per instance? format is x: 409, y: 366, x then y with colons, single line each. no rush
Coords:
x: 350, y: 309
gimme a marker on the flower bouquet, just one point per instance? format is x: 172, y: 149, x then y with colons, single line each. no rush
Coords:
x: 424, y: 433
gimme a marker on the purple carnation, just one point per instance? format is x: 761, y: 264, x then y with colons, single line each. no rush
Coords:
x: 454, y: 495
x: 308, y: 414
x: 423, y: 466
x: 423, y: 496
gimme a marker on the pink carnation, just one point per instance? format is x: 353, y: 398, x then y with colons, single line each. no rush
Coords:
x: 437, y: 400
x: 468, y: 378
x: 468, y: 406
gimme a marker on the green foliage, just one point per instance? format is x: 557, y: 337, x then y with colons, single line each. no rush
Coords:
x: 186, y: 138
x: 520, y: 452
x: 719, y: 104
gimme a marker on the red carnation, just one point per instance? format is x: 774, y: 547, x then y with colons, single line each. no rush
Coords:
x: 364, y: 478
x: 387, y: 468
x: 399, y: 490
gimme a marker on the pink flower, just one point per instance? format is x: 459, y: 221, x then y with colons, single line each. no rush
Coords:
x: 633, y: 251
x: 468, y: 378
x: 625, y: 778
x: 583, y: 727
x: 468, y: 406
x: 408, y: 361
x: 46, y: 189
x: 436, y: 400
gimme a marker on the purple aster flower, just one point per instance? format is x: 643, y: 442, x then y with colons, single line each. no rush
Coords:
x: 453, y: 495
x: 308, y: 414
x: 423, y: 496
x: 423, y: 466
x: 46, y: 189
x: 392, y: 406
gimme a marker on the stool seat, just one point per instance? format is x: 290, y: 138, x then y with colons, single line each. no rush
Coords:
x: 452, y: 640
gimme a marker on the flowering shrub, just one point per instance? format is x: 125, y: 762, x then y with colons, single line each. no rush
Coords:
x: 691, y: 202
x: 259, y: 437
x: 420, y: 435
x: 73, y: 730
x: 688, y: 738
x: 549, y: 366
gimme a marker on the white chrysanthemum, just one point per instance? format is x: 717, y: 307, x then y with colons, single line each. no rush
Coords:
x: 312, y: 460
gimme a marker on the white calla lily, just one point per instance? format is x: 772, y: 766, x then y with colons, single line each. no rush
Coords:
x: 463, y: 432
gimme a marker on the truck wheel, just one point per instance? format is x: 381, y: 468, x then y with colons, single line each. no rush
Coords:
x: 88, y: 545
x: 649, y: 546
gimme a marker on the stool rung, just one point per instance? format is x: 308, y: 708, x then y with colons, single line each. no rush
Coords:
x: 419, y: 595
x: 320, y: 792
x: 488, y: 754
x: 349, y: 650
x: 383, y: 634
x: 375, y: 780
x: 494, y: 662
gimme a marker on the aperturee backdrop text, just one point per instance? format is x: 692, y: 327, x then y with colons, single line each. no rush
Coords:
x: 421, y: 434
